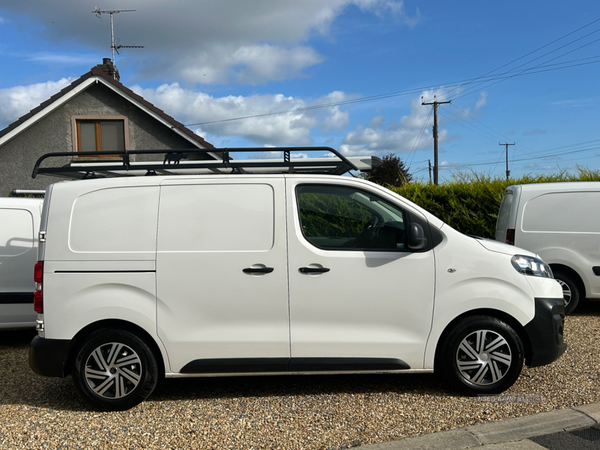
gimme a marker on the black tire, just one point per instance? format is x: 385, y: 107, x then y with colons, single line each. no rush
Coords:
x: 115, y: 370
x: 481, y: 355
x: 571, y: 291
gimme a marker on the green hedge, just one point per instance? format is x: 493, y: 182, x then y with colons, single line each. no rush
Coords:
x: 470, y: 202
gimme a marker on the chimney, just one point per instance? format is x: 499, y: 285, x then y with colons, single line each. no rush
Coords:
x: 108, y: 67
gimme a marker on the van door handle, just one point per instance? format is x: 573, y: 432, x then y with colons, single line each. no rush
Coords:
x: 313, y: 269
x: 258, y: 270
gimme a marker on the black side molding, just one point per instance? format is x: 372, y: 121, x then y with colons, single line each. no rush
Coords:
x: 16, y: 297
x: 346, y: 364
x: 282, y: 365
x: 241, y: 365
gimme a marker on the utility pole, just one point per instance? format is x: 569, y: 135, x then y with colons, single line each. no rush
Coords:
x: 429, y: 170
x: 435, y: 104
x: 506, y: 144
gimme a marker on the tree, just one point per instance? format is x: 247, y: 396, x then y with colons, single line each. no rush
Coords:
x: 392, y: 172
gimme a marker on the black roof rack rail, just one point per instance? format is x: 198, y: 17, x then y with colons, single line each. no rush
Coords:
x: 82, y: 165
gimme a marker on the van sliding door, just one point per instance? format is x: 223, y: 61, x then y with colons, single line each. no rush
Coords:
x: 222, y: 275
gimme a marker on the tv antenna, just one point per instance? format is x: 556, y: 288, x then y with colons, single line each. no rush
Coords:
x: 114, y: 47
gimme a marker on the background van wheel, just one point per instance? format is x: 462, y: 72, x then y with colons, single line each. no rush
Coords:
x: 481, y: 355
x: 571, y: 291
x: 115, y: 370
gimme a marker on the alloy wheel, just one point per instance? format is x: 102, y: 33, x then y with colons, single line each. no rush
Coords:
x: 483, y: 357
x: 113, y: 370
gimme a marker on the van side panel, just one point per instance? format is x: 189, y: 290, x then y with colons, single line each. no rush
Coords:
x: 83, y: 297
x: 101, y: 251
x: 17, y: 250
x: 564, y: 228
x: 19, y: 223
x: 116, y: 223
x: 211, y: 237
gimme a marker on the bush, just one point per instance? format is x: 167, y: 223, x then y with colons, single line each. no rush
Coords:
x: 469, y: 202
x: 392, y: 172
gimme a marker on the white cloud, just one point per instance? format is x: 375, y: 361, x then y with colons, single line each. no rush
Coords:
x: 411, y: 132
x: 19, y: 100
x: 536, y: 131
x: 65, y: 60
x: 246, y: 65
x: 206, y: 42
x: 482, y: 101
x: 206, y: 114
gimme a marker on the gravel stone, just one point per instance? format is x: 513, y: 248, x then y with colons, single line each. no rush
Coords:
x: 282, y: 412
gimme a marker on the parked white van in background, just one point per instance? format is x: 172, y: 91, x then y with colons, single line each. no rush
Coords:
x: 561, y: 223
x: 19, y: 226
x: 295, y: 271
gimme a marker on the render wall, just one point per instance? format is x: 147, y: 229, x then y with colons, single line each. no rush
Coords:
x: 54, y: 134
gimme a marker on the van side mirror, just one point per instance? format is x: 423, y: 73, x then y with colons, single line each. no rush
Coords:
x: 416, y: 237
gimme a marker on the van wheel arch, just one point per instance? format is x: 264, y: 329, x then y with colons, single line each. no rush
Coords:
x: 80, y: 338
x: 492, y: 313
x: 481, y: 355
x: 567, y: 274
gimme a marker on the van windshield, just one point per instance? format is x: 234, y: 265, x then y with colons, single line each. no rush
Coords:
x: 503, y: 214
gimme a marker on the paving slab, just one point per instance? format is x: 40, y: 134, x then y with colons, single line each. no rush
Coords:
x: 452, y: 439
x: 525, y: 444
x: 592, y: 410
x: 508, y: 434
x: 536, y: 425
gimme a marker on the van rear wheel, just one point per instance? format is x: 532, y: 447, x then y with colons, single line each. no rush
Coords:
x: 481, y: 355
x: 115, y: 370
x: 570, y: 291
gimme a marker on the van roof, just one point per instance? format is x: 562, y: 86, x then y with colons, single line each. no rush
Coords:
x: 83, y: 165
x: 558, y: 186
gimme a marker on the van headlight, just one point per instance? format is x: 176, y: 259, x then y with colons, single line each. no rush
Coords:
x: 528, y: 265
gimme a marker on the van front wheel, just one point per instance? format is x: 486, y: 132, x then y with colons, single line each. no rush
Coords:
x: 115, y: 370
x: 481, y: 355
x: 570, y: 291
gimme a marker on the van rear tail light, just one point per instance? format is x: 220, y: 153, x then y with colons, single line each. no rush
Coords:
x: 510, y: 236
x: 38, y: 275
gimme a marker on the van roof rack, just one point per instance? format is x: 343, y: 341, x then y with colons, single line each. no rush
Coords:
x: 83, y: 165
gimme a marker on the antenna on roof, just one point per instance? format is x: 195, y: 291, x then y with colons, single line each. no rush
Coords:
x: 113, y: 46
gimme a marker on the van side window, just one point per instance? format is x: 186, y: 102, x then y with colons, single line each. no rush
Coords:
x: 344, y: 218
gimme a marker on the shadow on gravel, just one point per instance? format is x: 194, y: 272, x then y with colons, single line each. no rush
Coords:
x: 587, y: 308
x: 21, y: 386
x: 296, y: 385
x: 16, y: 337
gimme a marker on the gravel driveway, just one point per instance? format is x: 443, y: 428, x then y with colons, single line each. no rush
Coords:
x: 287, y: 412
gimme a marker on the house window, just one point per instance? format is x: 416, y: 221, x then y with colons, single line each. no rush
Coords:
x: 100, y: 134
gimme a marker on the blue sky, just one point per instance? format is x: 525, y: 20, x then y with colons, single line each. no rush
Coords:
x: 349, y: 74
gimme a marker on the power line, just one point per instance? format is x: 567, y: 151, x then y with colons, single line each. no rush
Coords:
x: 395, y: 94
x: 511, y: 73
x: 532, y: 157
x: 538, y: 49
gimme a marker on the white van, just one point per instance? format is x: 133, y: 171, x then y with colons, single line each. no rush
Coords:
x: 270, y: 274
x: 561, y: 223
x: 19, y: 226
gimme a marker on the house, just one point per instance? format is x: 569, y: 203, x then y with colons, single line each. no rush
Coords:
x: 94, y: 113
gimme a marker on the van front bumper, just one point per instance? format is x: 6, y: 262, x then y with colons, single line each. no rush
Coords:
x: 545, y: 332
x: 48, y: 357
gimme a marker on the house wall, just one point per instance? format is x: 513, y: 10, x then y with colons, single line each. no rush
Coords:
x: 54, y: 134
